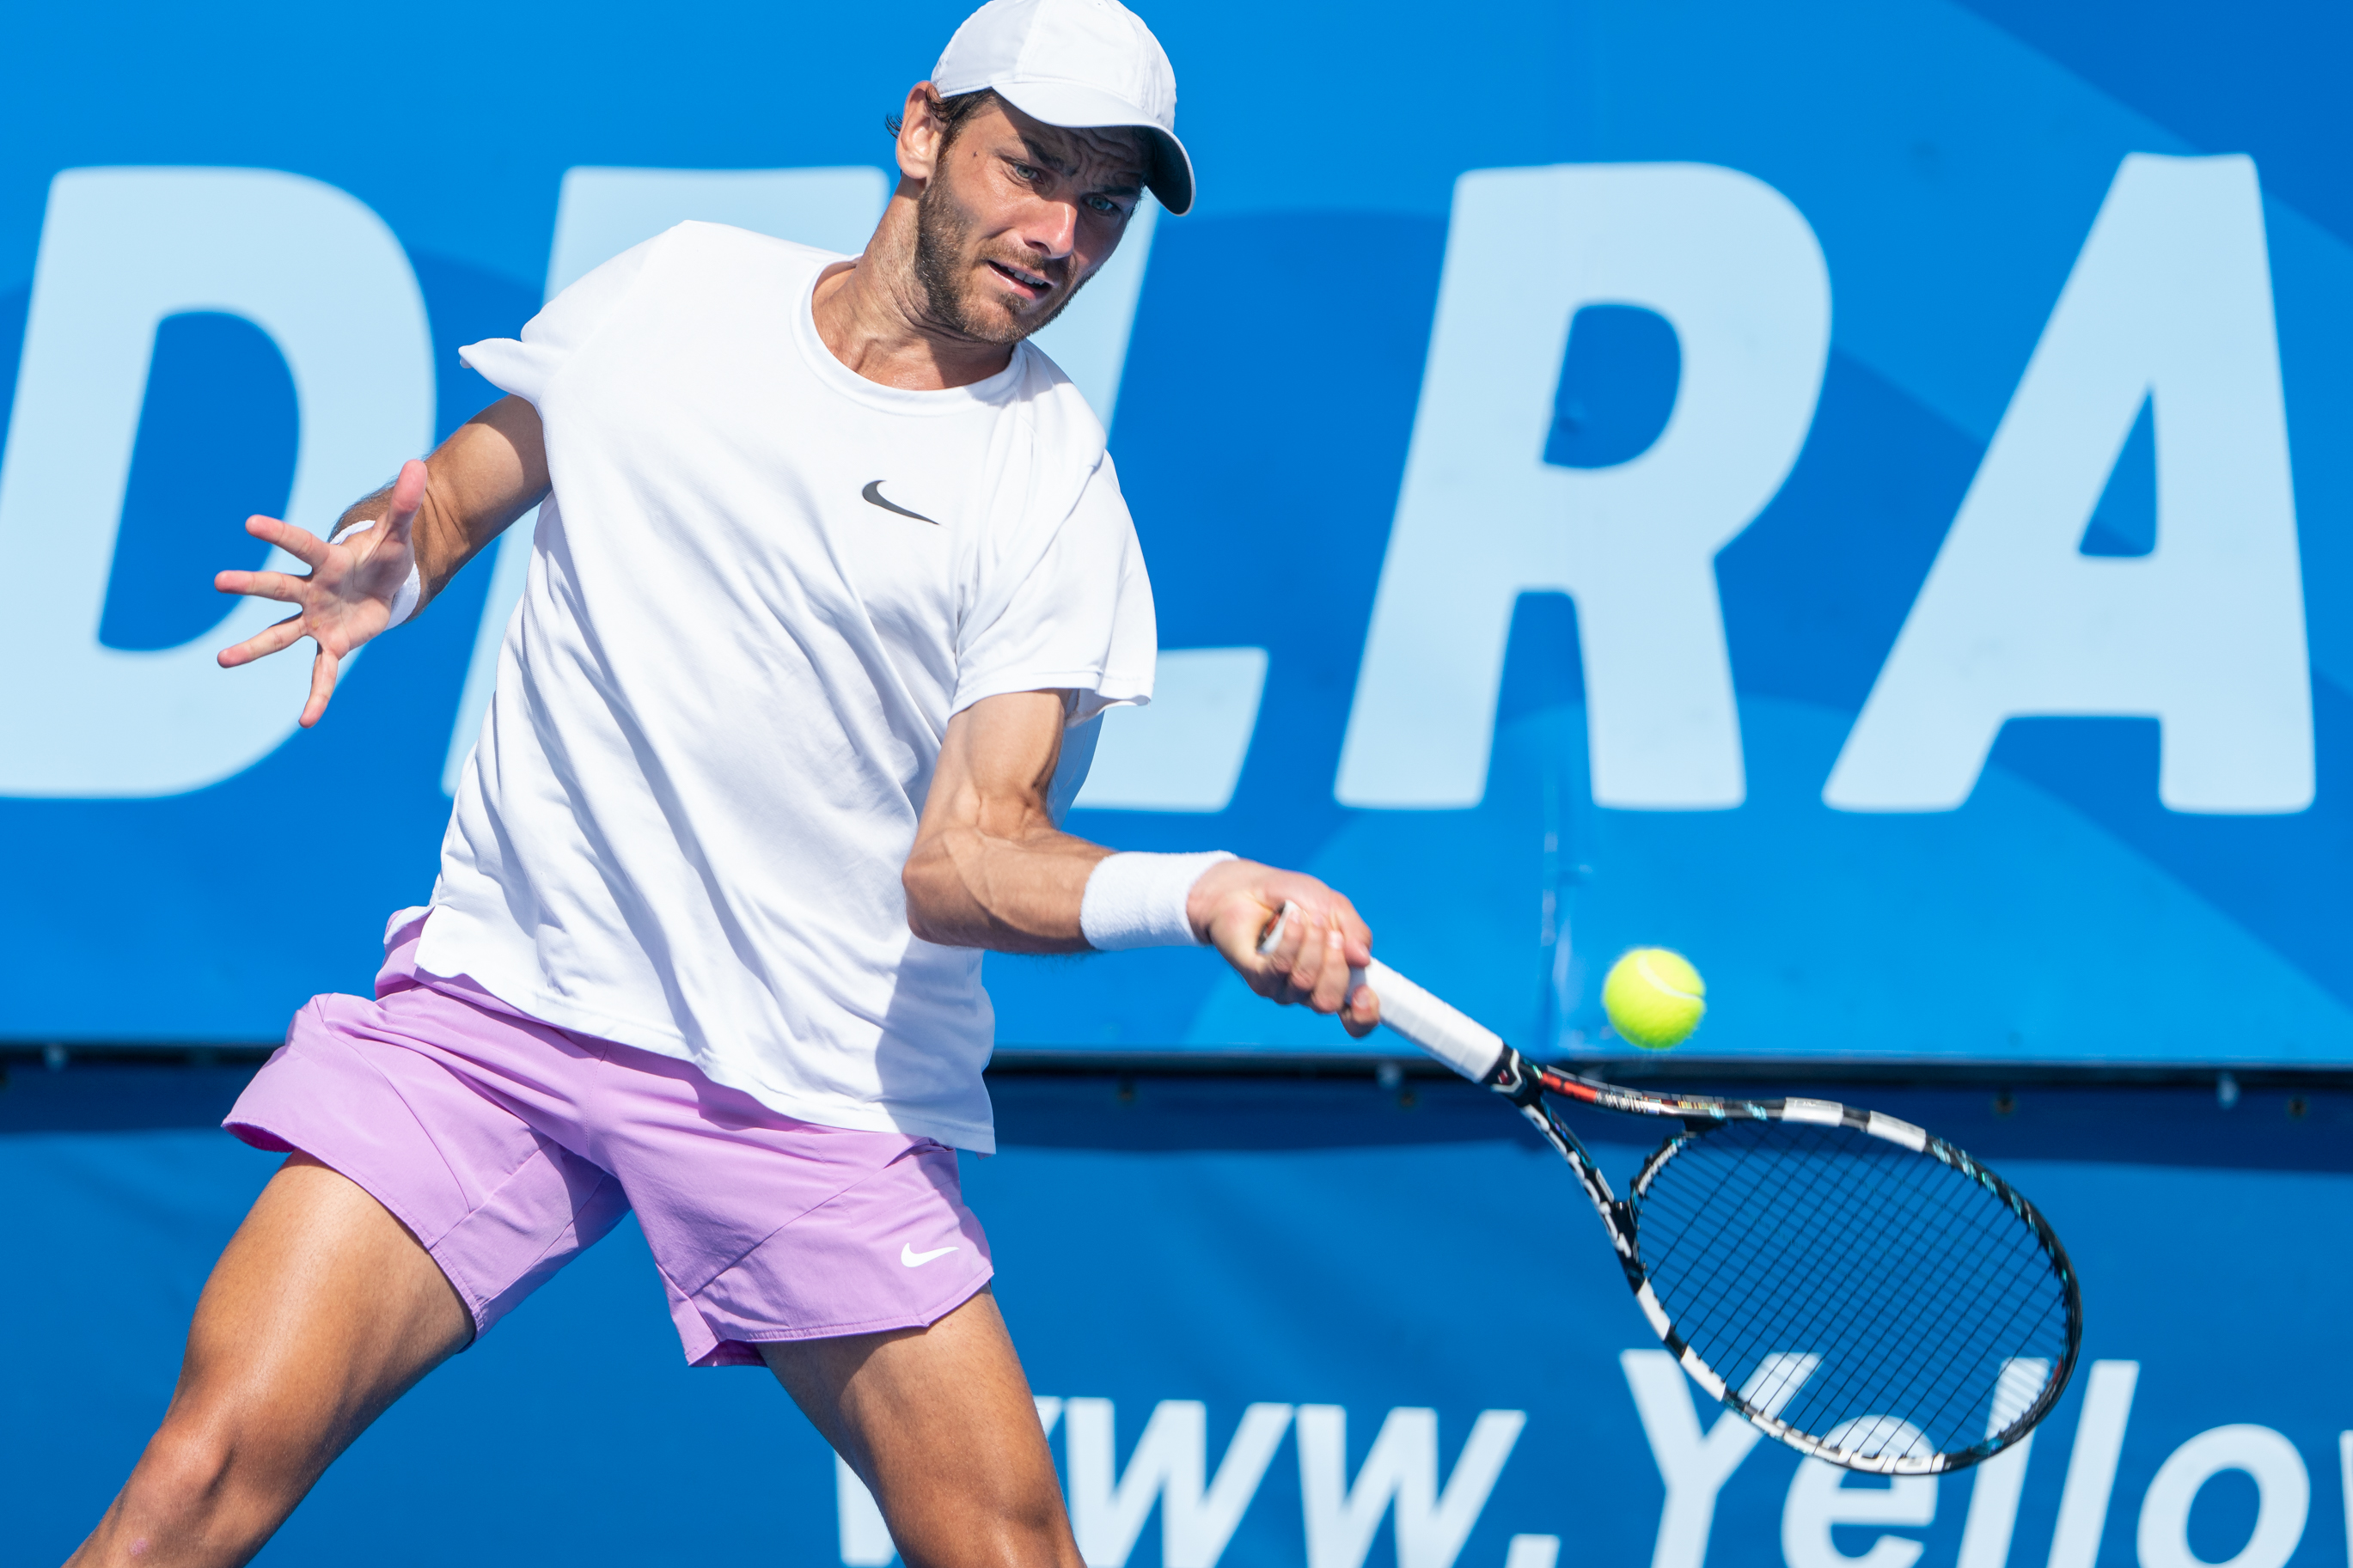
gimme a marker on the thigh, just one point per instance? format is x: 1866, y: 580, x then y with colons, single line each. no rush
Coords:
x: 322, y: 1311
x: 941, y: 1424
x: 323, y: 1308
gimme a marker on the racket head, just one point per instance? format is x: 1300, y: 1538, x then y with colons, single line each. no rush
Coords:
x: 1864, y: 1292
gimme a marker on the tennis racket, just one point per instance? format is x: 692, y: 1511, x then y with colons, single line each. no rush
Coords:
x: 1864, y: 1292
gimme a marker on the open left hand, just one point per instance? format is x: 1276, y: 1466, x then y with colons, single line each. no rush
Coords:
x: 346, y: 599
x: 1236, y: 902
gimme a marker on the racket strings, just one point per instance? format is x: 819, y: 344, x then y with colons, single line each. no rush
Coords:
x: 1826, y: 1278
x: 1890, y: 1309
x: 1920, y: 1237
x: 1829, y: 1278
x: 1763, y: 1198
x: 1980, y: 1251
x: 1840, y: 1287
x: 1925, y: 1229
x: 1759, y: 1209
x: 1912, y: 1241
x: 2023, y: 1298
x: 1911, y: 1282
x: 1760, y: 1205
x: 1821, y: 1257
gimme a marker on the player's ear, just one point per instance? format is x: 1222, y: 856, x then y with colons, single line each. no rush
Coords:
x: 921, y: 132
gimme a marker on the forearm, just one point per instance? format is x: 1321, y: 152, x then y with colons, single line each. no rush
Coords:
x: 989, y: 868
x: 491, y: 471
x: 1015, y: 890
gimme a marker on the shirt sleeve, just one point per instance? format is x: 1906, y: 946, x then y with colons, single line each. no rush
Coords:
x: 525, y: 366
x: 1080, y: 620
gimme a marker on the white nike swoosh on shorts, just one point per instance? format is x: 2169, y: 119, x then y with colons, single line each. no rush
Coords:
x: 914, y: 1260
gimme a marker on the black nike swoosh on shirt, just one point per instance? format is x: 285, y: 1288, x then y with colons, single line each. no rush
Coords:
x: 873, y: 492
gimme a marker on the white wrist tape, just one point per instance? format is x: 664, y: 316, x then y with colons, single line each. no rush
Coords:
x: 404, y: 603
x: 1138, y: 900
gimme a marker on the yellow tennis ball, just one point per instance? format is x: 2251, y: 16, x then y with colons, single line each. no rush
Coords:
x: 1654, y: 997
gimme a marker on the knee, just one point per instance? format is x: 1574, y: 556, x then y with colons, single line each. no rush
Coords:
x: 1017, y: 1528
x: 182, y: 1477
x: 199, y: 1483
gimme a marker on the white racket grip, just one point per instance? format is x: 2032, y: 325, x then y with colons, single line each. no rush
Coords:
x: 1451, y: 1036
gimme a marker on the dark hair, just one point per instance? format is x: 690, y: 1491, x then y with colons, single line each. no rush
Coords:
x: 954, y: 112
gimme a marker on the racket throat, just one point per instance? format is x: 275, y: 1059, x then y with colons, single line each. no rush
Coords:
x: 1621, y: 1220
x: 1617, y: 1216
x: 1516, y: 1079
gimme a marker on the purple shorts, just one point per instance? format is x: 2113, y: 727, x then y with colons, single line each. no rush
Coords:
x: 507, y: 1147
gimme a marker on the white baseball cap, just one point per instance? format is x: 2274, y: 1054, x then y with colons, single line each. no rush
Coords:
x: 1081, y: 64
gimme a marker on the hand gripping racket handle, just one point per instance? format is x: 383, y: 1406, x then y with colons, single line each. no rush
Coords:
x: 1453, y: 1038
x: 1475, y: 1052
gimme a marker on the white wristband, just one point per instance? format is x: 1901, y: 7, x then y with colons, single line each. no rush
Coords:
x: 1138, y: 900
x: 404, y: 603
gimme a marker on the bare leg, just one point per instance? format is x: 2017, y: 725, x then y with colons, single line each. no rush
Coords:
x: 939, y: 1424
x: 322, y: 1311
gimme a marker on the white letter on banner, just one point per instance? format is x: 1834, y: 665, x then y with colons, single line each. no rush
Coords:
x: 2170, y: 301
x: 1168, y: 1464
x: 1694, y: 1468
x: 2345, y: 1486
x: 1403, y: 1466
x: 2091, y: 1464
x: 1482, y: 519
x: 2282, y: 1485
x: 120, y: 251
x: 1532, y: 1552
x: 1184, y: 752
x: 865, y: 1538
x: 1820, y: 1497
x: 600, y: 213
x: 1996, y: 1483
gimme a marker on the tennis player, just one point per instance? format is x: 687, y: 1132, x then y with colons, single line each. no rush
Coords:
x: 829, y: 561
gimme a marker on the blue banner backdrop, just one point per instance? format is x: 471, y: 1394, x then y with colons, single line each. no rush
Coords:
x: 1853, y: 492
x: 1272, y: 1324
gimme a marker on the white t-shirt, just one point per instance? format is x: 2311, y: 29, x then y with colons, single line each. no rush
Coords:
x: 760, y: 587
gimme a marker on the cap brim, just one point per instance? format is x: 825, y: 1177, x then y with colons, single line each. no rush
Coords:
x: 1079, y: 108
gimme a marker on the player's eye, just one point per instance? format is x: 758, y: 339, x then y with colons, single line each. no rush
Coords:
x: 1104, y: 205
x: 1028, y: 173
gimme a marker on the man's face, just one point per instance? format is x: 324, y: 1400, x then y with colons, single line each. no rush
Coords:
x: 1016, y: 216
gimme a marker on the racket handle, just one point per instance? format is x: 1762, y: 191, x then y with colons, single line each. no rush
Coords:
x: 1452, y: 1037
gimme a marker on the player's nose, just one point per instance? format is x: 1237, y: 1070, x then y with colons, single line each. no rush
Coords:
x: 1054, y: 229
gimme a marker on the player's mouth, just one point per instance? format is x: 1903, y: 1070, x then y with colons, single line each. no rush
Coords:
x: 1021, y: 280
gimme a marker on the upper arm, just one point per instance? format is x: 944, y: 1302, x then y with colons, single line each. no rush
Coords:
x: 497, y: 461
x: 996, y: 767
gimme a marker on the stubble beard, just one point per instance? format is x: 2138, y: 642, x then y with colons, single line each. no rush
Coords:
x: 945, y: 264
